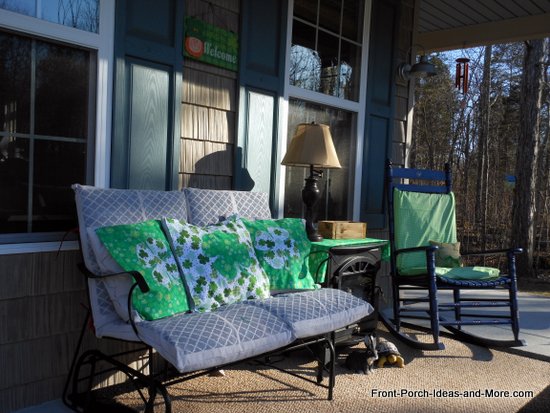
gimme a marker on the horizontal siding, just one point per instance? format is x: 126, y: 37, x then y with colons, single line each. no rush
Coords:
x: 203, y: 123
x: 42, y: 309
x: 205, y: 181
x: 404, y: 95
x: 208, y: 128
x: 32, y: 269
x: 207, y: 89
x: 35, y: 360
x: 36, y: 317
x: 222, y: 13
x: 203, y: 157
x: 209, y: 105
x: 20, y: 396
x: 38, y: 383
x: 401, y: 108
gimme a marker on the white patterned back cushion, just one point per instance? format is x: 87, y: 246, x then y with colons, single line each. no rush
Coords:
x: 98, y: 207
x: 209, y: 206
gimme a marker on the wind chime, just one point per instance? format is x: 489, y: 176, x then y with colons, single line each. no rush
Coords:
x: 461, y: 79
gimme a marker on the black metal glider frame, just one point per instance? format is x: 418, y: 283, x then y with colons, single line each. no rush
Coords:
x: 157, y: 383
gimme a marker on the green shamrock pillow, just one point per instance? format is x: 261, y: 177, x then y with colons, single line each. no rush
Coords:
x: 283, y: 248
x: 217, y: 262
x: 448, y: 254
x: 143, y: 247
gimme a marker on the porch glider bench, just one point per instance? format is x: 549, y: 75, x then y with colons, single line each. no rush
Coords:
x: 204, y: 278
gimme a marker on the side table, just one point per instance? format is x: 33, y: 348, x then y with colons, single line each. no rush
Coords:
x: 327, y: 255
x: 350, y: 265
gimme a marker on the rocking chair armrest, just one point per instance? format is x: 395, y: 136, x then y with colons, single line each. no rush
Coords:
x: 513, y: 251
x: 136, y: 275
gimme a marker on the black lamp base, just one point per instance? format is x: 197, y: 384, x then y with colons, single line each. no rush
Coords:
x: 310, y: 196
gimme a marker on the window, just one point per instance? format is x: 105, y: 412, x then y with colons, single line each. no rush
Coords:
x: 45, y: 103
x: 336, y: 183
x: 54, y: 101
x: 325, y: 55
x: 327, y: 60
x: 80, y: 14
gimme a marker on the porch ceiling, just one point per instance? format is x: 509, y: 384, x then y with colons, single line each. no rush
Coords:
x: 452, y: 24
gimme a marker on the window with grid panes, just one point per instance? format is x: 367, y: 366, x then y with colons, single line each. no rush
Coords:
x: 47, y: 120
x: 324, y: 85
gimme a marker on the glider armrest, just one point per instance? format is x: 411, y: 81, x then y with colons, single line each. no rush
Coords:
x: 136, y: 275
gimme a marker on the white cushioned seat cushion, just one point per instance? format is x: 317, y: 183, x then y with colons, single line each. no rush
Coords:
x: 311, y: 313
x: 196, y: 341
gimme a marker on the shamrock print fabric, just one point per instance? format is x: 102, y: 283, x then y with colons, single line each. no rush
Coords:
x: 143, y: 247
x: 282, y: 247
x: 217, y: 262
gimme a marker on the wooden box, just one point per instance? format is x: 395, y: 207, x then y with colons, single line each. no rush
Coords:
x: 342, y: 229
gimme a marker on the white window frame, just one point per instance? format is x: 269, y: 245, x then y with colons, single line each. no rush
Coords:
x: 358, y: 107
x: 103, y: 43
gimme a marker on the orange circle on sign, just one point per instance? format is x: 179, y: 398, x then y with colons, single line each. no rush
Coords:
x: 194, y: 46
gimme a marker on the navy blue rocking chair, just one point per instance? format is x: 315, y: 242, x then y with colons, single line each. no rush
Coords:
x: 425, y: 257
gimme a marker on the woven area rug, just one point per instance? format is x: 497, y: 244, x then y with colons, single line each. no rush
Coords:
x: 461, y: 378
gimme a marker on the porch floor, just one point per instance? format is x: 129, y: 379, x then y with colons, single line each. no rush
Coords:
x: 535, y: 329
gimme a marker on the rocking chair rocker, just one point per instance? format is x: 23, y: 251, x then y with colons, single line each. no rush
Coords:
x: 422, y: 227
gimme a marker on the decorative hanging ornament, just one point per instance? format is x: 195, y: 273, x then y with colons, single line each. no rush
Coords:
x: 461, y: 80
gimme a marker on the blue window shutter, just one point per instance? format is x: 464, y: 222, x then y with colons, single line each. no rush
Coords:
x: 147, y: 94
x: 379, y: 118
x: 261, y: 82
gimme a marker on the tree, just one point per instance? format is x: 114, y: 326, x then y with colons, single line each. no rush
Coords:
x: 432, y: 145
x: 523, y: 213
x: 483, y: 150
x: 483, y: 153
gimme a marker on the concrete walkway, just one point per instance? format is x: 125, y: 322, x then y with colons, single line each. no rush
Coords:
x: 534, y: 327
x: 534, y: 323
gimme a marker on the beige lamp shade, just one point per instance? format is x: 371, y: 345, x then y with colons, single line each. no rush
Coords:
x: 312, y: 146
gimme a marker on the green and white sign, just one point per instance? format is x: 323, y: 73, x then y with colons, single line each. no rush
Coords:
x: 211, y: 44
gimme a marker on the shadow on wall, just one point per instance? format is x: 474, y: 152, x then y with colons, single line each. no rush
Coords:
x: 216, y: 171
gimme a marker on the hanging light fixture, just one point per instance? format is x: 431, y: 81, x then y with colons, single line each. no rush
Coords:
x: 461, y: 77
x: 421, y: 69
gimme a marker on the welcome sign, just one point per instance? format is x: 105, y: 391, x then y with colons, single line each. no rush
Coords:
x: 210, y: 44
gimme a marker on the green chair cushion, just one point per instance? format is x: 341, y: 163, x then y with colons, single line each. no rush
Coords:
x: 457, y: 273
x: 143, y: 247
x: 468, y: 273
x: 419, y: 218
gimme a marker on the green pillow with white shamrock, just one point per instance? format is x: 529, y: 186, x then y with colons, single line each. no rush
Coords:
x: 143, y: 247
x: 282, y: 247
x: 217, y: 262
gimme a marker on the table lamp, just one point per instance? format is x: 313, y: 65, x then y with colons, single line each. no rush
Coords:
x: 311, y: 146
